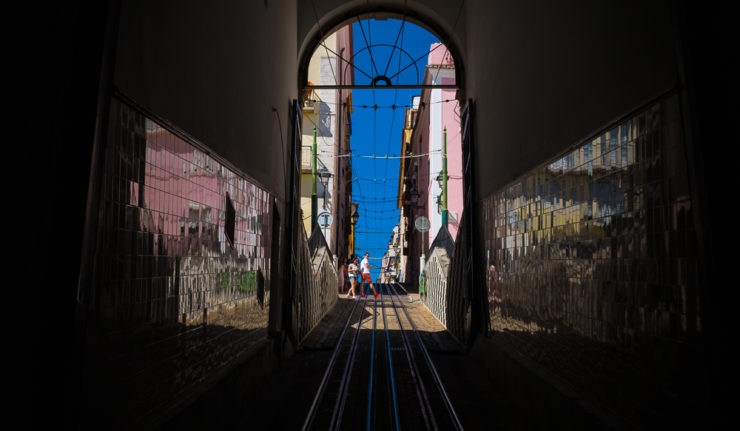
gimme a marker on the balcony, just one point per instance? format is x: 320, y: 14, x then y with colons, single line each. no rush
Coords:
x: 306, y: 158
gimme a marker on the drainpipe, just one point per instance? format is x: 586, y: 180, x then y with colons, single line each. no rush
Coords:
x: 338, y: 200
x: 314, y: 199
x: 444, y: 177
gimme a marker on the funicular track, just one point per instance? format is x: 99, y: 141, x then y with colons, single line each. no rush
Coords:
x: 380, y: 375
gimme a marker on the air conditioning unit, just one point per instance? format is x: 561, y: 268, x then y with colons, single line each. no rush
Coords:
x: 309, y: 105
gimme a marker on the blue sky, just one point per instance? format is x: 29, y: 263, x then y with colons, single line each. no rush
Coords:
x: 378, y: 131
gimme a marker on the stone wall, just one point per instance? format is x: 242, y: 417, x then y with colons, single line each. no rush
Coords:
x: 592, y: 268
x: 180, y: 287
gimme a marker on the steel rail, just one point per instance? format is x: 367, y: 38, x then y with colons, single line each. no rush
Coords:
x: 336, y: 415
x: 390, y: 364
x: 370, y: 385
x: 435, y: 375
x: 324, y: 381
x: 406, y: 292
x: 421, y: 393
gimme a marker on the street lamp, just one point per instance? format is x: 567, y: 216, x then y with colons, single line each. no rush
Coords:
x: 354, y: 216
x: 324, y: 176
x: 440, y: 179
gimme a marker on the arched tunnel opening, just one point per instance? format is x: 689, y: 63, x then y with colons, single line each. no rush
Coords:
x: 537, y: 214
x: 380, y: 100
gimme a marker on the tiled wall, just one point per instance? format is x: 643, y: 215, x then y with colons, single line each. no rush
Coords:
x: 592, y: 265
x: 175, y: 301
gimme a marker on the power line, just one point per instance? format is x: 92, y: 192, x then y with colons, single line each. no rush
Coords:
x: 392, y: 107
x: 391, y: 156
x: 381, y: 210
x: 395, y: 96
x: 377, y: 201
x: 374, y: 180
x: 373, y: 233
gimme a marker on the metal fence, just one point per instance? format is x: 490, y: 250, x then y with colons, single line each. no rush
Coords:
x: 446, y: 284
x: 315, y: 288
x: 434, y: 296
x: 312, y: 276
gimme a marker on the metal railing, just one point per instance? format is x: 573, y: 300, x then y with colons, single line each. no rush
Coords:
x: 315, y: 289
x: 446, y: 283
x: 435, y: 284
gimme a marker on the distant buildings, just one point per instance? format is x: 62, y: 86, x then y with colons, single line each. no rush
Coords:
x: 389, y: 270
x: 408, y: 195
x: 420, y: 181
x: 328, y: 113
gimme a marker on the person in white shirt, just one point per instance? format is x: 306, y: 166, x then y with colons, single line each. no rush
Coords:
x: 365, y: 266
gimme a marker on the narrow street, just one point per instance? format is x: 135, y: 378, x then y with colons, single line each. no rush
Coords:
x: 287, y: 399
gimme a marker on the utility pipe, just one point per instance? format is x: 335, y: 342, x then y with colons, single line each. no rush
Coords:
x: 444, y: 177
x: 314, y: 198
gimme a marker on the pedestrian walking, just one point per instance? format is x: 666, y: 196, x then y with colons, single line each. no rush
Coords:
x: 365, y: 266
x: 353, y: 271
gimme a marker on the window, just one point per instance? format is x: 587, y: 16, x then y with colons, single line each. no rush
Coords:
x: 229, y: 227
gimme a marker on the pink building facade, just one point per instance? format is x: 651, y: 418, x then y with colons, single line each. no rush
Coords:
x: 440, y: 111
x: 435, y: 111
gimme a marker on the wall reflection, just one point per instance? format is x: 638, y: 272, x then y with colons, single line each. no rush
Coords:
x: 595, y: 252
x: 177, y: 296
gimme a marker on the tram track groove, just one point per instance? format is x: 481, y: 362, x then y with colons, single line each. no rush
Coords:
x: 311, y: 416
x: 371, y: 378
x: 347, y: 375
x: 402, y: 388
x: 433, y: 370
x: 424, y: 405
x: 390, y: 368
